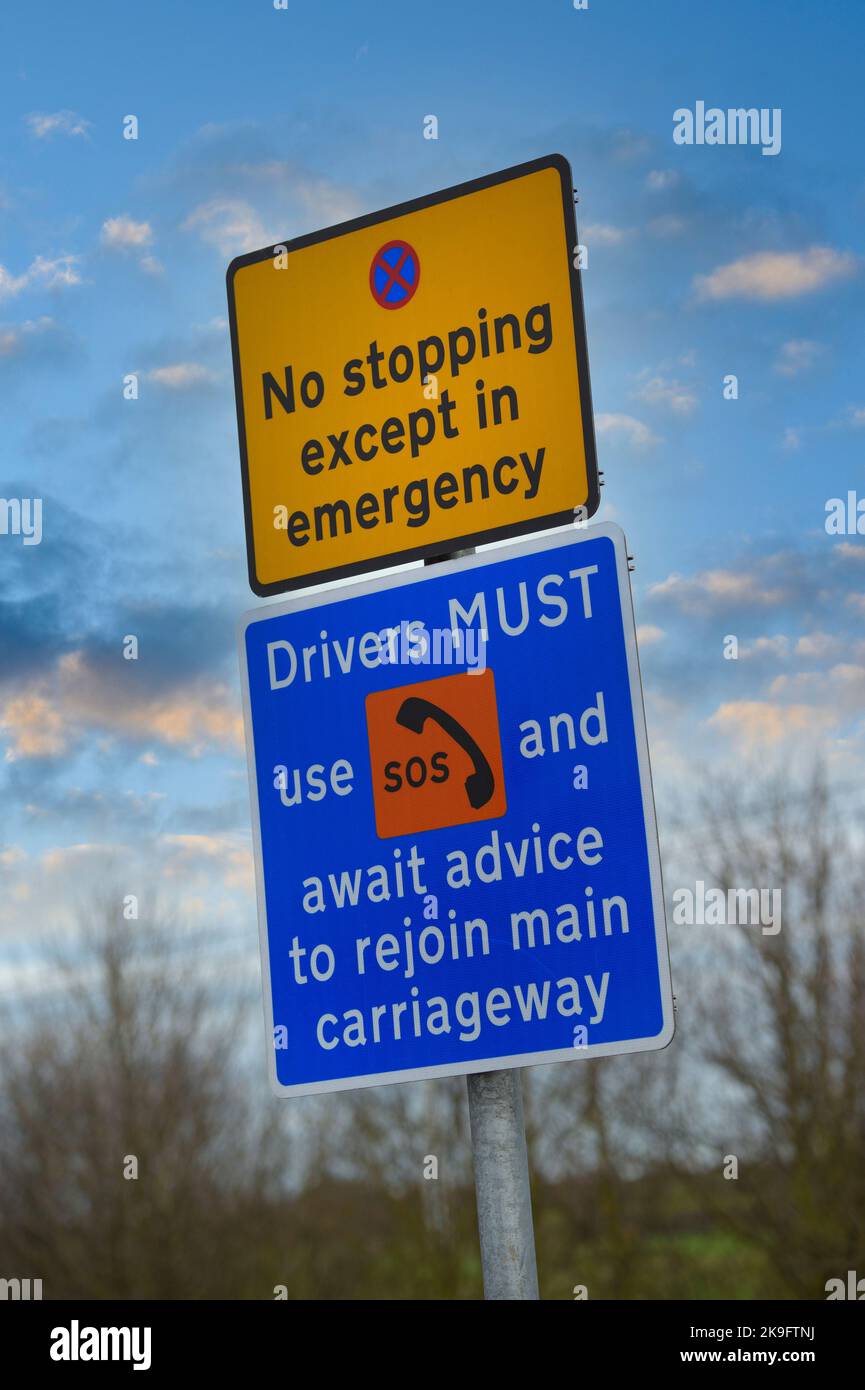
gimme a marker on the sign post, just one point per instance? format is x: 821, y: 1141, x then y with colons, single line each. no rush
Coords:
x: 500, y: 1163
x: 502, y: 1187
x: 456, y: 857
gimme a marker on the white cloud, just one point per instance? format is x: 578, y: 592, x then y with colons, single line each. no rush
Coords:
x: 199, y: 878
x: 660, y: 390
x: 42, y: 273
x: 217, y: 325
x: 327, y: 202
x: 659, y: 180
x: 229, y: 224
x: 44, y: 124
x: 716, y: 589
x: 603, y: 234
x: 265, y: 202
x: 633, y: 431
x: 123, y: 233
x: 776, y: 275
x: 667, y: 226
x: 755, y: 725
x: 818, y: 646
x: 180, y: 376
x: 840, y: 689
x: 626, y: 145
x: 648, y: 634
x: 778, y: 647
x: 792, y: 439
x: 49, y: 715
x: 16, y: 339
x: 230, y: 856
x: 797, y: 356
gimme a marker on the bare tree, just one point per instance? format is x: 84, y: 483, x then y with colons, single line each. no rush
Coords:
x: 781, y: 1030
x: 131, y: 1163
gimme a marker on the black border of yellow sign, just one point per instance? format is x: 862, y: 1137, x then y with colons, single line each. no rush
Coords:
x: 425, y: 552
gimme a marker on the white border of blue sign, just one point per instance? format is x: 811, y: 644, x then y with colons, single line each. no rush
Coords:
x: 418, y: 576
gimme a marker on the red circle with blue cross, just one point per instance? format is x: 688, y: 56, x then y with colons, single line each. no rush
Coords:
x: 394, y: 274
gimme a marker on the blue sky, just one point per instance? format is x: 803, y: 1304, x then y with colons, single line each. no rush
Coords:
x: 256, y: 125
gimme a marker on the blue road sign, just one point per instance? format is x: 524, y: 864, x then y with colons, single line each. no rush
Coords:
x: 456, y: 853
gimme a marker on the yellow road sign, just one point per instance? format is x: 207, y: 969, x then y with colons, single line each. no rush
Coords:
x: 414, y: 381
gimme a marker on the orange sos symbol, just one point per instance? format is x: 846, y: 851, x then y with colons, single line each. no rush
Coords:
x: 435, y: 752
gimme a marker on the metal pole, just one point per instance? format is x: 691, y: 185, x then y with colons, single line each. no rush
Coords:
x: 502, y: 1185
x: 501, y: 1165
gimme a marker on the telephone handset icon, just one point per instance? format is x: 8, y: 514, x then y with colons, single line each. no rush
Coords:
x: 480, y: 784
